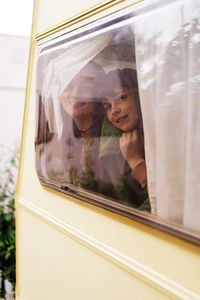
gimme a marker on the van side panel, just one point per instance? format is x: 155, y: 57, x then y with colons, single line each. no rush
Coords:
x: 70, y: 249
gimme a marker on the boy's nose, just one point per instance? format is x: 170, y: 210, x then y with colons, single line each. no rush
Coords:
x: 75, y: 93
x: 116, y: 109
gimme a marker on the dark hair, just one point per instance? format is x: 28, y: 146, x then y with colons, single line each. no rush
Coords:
x: 43, y: 133
x: 126, y: 78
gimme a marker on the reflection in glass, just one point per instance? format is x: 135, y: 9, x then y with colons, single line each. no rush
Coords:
x: 83, y: 147
x: 118, y: 113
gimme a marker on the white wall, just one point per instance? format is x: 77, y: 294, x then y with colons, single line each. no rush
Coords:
x: 14, y: 54
x: 16, y: 17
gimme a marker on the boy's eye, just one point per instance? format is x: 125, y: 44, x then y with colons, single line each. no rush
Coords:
x: 122, y: 97
x: 107, y: 106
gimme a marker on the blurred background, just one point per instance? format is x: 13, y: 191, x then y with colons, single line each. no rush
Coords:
x: 15, y: 31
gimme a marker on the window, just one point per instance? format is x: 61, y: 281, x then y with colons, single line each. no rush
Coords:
x: 118, y: 114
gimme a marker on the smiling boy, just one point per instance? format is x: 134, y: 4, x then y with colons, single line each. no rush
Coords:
x: 122, y: 146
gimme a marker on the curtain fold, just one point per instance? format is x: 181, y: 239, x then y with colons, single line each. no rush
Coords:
x: 192, y: 180
x: 61, y: 70
x: 167, y: 49
x: 168, y: 65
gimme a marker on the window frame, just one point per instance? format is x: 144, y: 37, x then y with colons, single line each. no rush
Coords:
x: 103, y: 25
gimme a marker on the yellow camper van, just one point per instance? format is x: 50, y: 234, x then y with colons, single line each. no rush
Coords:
x: 108, y: 195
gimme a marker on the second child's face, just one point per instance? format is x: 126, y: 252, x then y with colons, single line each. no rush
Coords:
x: 121, y: 109
x: 77, y: 98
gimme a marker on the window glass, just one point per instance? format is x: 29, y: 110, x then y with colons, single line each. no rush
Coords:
x: 118, y: 114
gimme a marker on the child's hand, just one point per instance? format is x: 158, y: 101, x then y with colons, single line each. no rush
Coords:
x: 131, y: 148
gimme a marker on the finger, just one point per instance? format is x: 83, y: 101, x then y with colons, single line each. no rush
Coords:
x: 121, y: 138
x: 125, y: 134
x: 135, y: 135
x: 135, y: 132
x: 128, y: 134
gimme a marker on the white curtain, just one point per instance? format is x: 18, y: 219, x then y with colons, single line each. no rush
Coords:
x: 168, y: 64
x: 61, y: 70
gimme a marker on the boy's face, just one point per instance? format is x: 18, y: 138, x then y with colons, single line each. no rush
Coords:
x: 121, y: 109
x: 77, y: 98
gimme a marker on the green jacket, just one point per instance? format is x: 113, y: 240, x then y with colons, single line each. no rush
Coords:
x: 116, y: 180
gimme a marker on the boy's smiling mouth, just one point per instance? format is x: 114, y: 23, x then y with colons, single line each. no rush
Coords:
x: 121, y: 119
